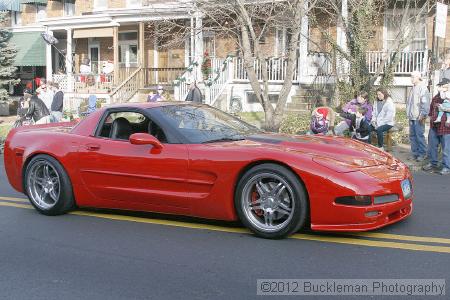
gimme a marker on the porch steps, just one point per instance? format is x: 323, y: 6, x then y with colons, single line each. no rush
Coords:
x: 302, y: 102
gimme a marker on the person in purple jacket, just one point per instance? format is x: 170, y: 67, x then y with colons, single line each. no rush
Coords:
x: 362, y: 100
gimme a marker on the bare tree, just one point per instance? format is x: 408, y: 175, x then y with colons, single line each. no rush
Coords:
x: 247, y: 23
x: 360, y: 27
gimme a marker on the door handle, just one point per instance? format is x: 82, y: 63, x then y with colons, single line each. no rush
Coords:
x: 93, y: 147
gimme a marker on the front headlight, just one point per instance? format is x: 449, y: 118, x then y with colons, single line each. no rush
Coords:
x: 354, y: 200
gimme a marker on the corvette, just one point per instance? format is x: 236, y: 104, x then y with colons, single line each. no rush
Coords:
x: 194, y: 160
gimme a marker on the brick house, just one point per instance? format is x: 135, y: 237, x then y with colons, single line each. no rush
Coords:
x: 114, y: 33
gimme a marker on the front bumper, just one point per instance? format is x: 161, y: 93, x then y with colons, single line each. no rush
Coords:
x: 326, y: 215
x: 388, y: 214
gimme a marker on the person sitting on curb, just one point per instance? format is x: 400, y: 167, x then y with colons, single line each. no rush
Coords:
x: 417, y: 109
x: 319, y: 121
x: 439, y: 134
x: 383, y: 117
x: 359, y: 126
x: 362, y: 100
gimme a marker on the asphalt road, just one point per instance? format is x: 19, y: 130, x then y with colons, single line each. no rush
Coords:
x: 109, y: 255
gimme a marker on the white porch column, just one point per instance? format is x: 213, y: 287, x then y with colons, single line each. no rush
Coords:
x: 155, y: 59
x: 192, y: 54
x: 48, y: 59
x: 69, y: 61
x: 198, y: 46
x: 343, y: 64
x: 303, y: 47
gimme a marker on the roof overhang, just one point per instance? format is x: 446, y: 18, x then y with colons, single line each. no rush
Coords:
x: 114, y: 17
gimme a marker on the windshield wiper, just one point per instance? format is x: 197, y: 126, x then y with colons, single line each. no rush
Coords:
x: 223, y: 140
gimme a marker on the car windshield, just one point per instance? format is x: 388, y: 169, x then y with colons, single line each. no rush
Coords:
x: 204, y: 124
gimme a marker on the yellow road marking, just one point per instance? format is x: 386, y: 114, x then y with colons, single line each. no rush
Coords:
x: 398, y: 237
x: 15, y: 205
x: 160, y: 222
x: 14, y: 199
x: 309, y: 237
x: 372, y: 243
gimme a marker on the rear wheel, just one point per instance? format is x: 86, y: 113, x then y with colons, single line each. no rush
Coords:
x: 271, y: 201
x: 48, y: 186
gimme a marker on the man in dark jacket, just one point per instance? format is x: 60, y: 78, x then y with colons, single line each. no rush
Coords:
x: 194, y: 94
x: 57, y: 103
x: 37, y: 110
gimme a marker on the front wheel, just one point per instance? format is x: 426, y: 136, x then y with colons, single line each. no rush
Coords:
x: 48, y: 186
x: 271, y: 201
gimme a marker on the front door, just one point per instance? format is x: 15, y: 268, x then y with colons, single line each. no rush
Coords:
x: 94, y: 56
x: 118, y: 173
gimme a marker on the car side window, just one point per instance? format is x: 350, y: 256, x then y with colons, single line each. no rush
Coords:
x: 121, y: 125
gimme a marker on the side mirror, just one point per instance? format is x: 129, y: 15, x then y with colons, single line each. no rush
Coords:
x: 146, y: 139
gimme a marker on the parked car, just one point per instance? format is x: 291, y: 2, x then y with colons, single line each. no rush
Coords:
x: 192, y: 159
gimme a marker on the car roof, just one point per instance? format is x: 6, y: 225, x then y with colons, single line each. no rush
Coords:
x: 145, y: 105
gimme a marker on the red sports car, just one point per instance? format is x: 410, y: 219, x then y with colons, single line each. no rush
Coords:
x: 195, y: 160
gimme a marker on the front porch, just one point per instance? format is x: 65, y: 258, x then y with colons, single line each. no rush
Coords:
x: 138, y: 63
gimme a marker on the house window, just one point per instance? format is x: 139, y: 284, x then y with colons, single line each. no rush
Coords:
x: 69, y: 8
x: 133, y: 3
x: 393, y: 29
x: 41, y: 12
x: 100, y: 4
x: 16, y: 18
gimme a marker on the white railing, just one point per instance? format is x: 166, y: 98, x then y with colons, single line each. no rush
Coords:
x: 85, y: 83
x: 317, y: 64
x: 62, y: 81
x: 181, y: 87
x: 409, y: 61
x: 276, y: 69
x: 219, y: 80
x: 128, y: 88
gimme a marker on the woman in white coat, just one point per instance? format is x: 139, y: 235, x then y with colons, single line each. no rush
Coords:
x: 383, y: 117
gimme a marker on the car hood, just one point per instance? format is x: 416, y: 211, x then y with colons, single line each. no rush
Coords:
x: 337, y: 153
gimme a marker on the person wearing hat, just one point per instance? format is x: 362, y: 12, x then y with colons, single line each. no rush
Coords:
x: 319, y: 122
x: 158, y: 96
x: 194, y: 94
x: 417, y: 109
x: 439, y: 133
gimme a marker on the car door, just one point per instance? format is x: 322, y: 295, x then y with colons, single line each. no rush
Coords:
x: 114, y: 170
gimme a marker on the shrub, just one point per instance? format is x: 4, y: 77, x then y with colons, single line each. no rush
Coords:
x: 295, y: 123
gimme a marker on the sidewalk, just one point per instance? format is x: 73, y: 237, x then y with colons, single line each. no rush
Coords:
x: 402, y: 152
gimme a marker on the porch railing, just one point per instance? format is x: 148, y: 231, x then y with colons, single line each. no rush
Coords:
x: 409, y: 61
x: 164, y: 76
x: 219, y: 80
x: 317, y: 64
x: 127, y: 89
x: 276, y: 69
x: 124, y: 72
x: 62, y: 81
x: 85, y: 83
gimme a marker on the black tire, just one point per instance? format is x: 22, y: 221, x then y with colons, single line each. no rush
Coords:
x: 64, y: 199
x: 294, y: 189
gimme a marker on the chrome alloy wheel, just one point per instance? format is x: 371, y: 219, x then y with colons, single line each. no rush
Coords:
x: 268, y: 202
x: 44, y: 185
